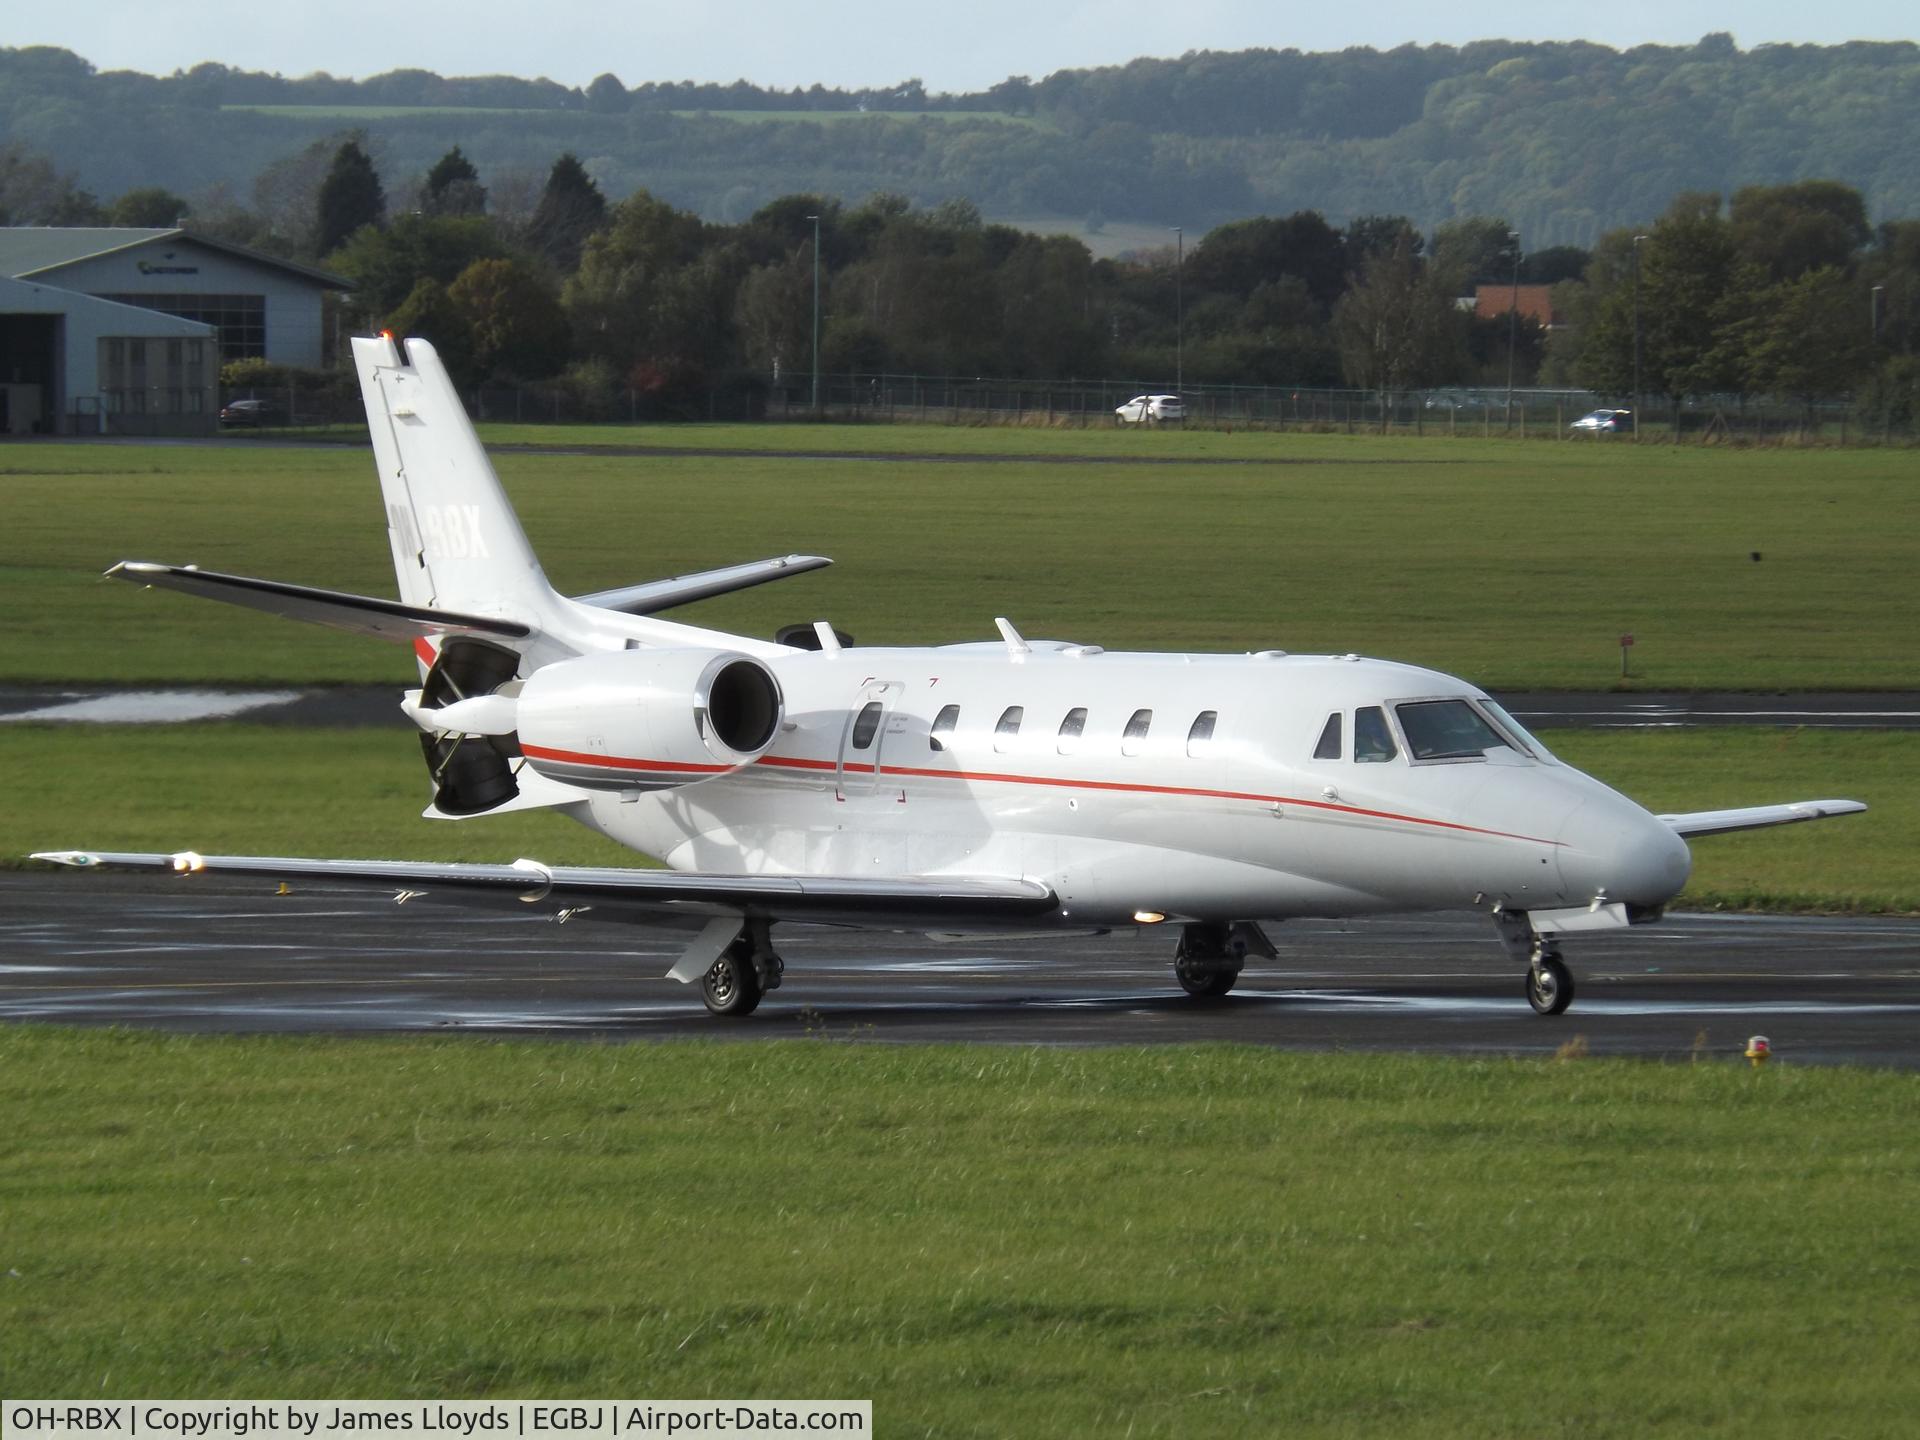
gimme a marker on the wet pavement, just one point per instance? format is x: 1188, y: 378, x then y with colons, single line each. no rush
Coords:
x: 223, y: 954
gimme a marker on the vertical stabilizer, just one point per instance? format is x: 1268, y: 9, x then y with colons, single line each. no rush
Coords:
x: 457, y: 544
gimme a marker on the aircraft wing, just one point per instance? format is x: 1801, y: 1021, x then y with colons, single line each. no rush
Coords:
x: 906, y: 902
x: 1757, y: 817
x: 359, y: 614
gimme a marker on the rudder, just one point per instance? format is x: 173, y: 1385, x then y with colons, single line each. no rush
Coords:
x: 456, y: 541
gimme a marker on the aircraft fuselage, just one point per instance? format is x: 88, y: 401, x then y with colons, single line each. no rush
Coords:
x: 1210, y: 805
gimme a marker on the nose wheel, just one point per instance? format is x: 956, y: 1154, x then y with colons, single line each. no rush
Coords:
x: 1549, y: 985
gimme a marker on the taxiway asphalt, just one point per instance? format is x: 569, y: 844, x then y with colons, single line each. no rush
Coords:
x: 357, y: 705
x: 214, y: 954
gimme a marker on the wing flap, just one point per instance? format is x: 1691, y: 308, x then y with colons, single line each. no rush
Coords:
x: 357, y: 614
x: 1758, y: 817
x: 848, y: 899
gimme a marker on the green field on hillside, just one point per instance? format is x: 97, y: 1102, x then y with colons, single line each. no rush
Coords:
x: 1515, y: 565
x: 1175, y: 1242
x: 283, y: 790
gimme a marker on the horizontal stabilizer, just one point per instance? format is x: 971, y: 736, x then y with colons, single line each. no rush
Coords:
x: 834, y: 899
x: 360, y: 614
x: 1758, y: 817
x: 658, y: 595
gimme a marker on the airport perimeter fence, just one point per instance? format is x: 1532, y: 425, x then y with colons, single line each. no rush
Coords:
x: 891, y: 398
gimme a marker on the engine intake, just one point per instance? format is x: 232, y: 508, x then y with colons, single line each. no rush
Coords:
x: 648, y: 719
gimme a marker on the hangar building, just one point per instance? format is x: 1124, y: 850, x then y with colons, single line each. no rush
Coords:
x: 81, y: 310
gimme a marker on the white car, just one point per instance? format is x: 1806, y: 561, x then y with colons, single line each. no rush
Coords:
x: 1606, y: 422
x: 1152, y: 408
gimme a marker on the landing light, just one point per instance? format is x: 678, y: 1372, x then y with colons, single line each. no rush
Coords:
x: 1147, y: 917
x: 189, y: 863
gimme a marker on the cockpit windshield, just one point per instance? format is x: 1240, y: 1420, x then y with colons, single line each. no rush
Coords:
x: 1527, y: 739
x: 1447, y: 730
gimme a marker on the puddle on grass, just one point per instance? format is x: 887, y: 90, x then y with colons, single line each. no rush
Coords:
x: 153, y: 707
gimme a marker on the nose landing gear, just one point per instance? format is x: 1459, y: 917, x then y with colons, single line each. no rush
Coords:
x: 1549, y: 984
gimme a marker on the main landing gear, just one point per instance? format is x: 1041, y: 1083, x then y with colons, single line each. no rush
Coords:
x: 1209, y: 957
x: 1549, y: 983
x: 745, y: 971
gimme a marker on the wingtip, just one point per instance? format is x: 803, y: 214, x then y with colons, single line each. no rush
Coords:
x: 78, y: 859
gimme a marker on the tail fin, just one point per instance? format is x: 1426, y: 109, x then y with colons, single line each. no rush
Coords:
x: 457, y: 544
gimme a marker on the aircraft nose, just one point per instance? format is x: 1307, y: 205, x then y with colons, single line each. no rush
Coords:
x: 1611, y: 845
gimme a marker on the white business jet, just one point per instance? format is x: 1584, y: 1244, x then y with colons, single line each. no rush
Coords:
x: 1012, y: 785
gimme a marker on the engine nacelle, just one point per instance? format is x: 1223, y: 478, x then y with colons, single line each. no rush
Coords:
x: 647, y: 719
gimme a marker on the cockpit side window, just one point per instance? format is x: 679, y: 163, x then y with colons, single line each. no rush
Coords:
x: 1447, y: 730
x: 1330, y: 739
x: 943, y: 724
x: 1372, y: 740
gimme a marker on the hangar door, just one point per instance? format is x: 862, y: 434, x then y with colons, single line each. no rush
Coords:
x: 28, y: 346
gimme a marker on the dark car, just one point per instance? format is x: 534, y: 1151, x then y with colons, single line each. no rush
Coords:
x: 252, y: 412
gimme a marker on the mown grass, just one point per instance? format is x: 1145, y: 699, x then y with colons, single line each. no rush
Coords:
x: 1518, y: 566
x: 246, y: 789
x: 1178, y: 1242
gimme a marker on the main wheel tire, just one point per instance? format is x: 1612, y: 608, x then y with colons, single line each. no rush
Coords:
x: 732, y: 986
x: 1204, y: 981
x: 1549, y: 987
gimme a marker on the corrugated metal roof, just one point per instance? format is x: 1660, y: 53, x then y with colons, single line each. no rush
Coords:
x: 38, y: 250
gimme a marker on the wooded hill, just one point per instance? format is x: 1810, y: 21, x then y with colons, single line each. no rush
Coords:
x: 1565, y: 140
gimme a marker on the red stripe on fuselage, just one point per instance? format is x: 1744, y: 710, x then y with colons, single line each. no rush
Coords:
x: 618, y: 762
x: 989, y: 777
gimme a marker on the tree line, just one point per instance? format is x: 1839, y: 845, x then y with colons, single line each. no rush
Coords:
x: 1784, y: 290
x: 1566, y: 139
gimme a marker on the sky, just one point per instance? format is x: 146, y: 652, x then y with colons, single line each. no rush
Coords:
x: 855, y: 43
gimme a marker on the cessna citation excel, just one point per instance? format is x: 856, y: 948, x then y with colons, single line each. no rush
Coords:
x: 1016, y: 785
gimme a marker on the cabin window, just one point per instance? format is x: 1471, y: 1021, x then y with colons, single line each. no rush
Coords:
x: 1447, y: 730
x: 1072, y: 727
x: 1372, y: 740
x: 943, y: 724
x: 866, y: 724
x: 1009, y: 726
x: 1329, y: 746
x: 1200, y: 735
x: 1134, y: 738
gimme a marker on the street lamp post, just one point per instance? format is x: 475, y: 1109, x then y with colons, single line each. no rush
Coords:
x: 816, y: 312
x: 1873, y: 312
x: 1636, y: 335
x: 1513, y: 322
x: 1179, y: 310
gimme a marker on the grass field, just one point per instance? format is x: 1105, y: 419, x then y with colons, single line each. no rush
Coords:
x: 276, y: 790
x: 1177, y: 1242
x: 1515, y: 565
x: 384, y: 112
x: 749, y: 117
